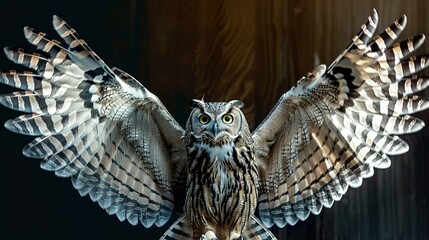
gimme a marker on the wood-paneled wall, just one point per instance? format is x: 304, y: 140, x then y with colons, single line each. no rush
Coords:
x: 255, y: 50
x: 220, y: 50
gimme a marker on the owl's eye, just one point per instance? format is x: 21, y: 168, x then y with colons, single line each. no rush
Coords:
x: 204, y: 119
x: 227, y: 118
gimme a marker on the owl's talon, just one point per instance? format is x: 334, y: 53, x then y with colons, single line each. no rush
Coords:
x: 203, y: 237
x: 209, y: 235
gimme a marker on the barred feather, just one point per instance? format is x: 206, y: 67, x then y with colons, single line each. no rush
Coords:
x: 84, y: 115
x: 179, y: 230
x: 340, y: 127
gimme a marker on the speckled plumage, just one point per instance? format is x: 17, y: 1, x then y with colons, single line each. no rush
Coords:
x: 118, y: 143
x: 222, y: 183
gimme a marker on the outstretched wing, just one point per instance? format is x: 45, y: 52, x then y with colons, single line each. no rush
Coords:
x: 97, y: 125
x: 337, y: 124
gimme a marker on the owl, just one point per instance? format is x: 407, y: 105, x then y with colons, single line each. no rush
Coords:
x: 120, y: 146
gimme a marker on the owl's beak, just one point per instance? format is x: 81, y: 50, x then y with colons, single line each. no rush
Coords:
x: 216, y: 133
x: 215, y: 130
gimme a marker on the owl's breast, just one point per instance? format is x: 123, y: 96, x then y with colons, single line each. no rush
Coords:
x: 222, y: 184
x: 213, y: 167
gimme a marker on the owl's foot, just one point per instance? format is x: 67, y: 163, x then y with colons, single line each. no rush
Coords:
x: 209, y: 235
x: 235, y: 236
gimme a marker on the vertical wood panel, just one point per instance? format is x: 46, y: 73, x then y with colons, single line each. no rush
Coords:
x: 225, y: 56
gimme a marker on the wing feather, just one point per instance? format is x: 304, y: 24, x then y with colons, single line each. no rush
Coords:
x: 332, y: 129
x: 97, y: 125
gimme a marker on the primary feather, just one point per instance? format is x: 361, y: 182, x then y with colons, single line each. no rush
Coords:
x: 331, y: 130
x: 96, y: 125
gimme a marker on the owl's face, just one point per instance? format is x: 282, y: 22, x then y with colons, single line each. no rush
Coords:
x: 216, y: 122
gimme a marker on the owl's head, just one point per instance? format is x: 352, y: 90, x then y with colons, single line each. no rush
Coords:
x: 216, y: 122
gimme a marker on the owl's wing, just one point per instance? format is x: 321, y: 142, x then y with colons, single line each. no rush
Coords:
x: 97, y: 125
x: 337, y: 124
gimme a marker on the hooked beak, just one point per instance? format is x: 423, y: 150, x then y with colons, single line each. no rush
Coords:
x: 218, y: 135
x: 215, y: 131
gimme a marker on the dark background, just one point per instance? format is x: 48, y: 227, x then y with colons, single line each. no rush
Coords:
x: 250, y: 50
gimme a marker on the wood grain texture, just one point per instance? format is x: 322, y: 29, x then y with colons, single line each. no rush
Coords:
x: 222, y: 50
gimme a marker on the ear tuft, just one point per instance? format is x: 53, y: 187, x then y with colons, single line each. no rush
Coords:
x: 194, y: 103
x: 236, y: 103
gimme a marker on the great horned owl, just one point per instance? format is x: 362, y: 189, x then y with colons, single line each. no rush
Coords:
x: 118, y: 143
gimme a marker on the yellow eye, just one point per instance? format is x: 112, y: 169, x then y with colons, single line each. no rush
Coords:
x: 227, y: 118
x: 204, y: 118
